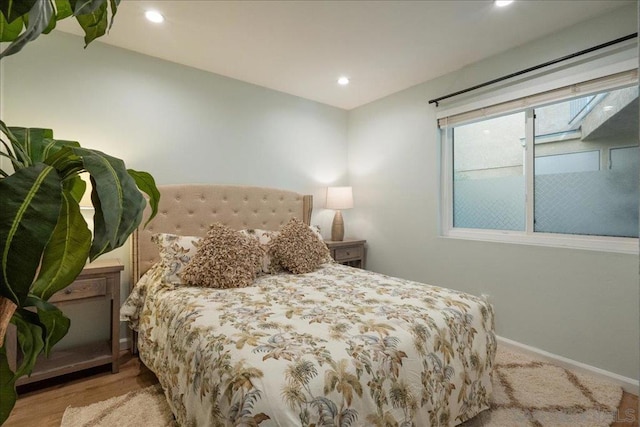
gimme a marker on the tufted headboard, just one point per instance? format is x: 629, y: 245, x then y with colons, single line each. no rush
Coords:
x: 189, y: 209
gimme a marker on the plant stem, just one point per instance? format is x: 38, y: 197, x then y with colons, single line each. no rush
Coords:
x: 7, y: 308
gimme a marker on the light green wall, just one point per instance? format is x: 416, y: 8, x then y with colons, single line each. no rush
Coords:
x: 579, y: 304
x: 181, y: 124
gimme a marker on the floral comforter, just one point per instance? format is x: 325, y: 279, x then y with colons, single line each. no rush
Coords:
x: 336, y: 347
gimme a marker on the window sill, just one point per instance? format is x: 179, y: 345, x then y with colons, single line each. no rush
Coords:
x: 624, y: 245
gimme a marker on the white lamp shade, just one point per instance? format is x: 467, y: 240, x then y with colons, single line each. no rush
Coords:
x: 339, y: 198
x: 86, y: 197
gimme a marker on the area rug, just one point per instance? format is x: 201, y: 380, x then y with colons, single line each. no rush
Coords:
x: 140, y: 408
x: 531, y: 392
x: 526, y: 392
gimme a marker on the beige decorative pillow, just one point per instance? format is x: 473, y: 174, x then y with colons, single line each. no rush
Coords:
x: 175, y: 252
x: 298, y: 248
x: 225, y: 259
x: 264, y: 238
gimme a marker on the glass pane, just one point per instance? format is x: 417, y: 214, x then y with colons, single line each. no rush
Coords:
x: 488, y: 180
x: 586, y: 165
x: 571, y: 162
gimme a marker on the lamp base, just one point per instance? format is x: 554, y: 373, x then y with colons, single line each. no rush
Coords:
x: 337, y: 227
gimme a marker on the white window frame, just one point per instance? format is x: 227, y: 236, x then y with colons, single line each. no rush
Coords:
x: 528, y: 236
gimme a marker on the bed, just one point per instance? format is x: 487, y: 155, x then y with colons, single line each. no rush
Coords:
x: 337, y: 346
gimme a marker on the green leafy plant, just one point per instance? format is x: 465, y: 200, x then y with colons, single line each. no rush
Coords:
x: 44, y: 239
x: 22, y: 21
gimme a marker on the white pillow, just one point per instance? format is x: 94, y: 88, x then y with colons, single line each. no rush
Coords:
x: 175, y: 252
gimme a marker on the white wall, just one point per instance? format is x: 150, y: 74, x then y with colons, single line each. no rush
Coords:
x: 180, y: 124
x: 579, y: 304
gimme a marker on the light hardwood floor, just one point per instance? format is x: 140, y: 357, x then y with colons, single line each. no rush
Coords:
x: 628, y: 411
x: 44, y: 406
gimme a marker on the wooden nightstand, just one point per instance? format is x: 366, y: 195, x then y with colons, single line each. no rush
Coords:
x: 98, y: 280
x: 348, y: 252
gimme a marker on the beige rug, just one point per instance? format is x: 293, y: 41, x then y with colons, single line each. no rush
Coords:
x: 530, y: 392
x: 140, y: 408
x: 526, y: 392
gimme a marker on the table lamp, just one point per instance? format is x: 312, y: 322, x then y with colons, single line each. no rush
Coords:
x: 338, y: 198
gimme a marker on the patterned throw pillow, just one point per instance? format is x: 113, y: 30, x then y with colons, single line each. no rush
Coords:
x: 264, y: 238
x: 225, y: 259
x: 175, y: 252
x: 298, y: 248
x: 316, y: 231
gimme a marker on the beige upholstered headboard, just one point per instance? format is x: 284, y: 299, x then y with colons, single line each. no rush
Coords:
x: 189, y: 209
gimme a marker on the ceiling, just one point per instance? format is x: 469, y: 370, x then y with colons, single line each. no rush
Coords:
x: 302, y: 47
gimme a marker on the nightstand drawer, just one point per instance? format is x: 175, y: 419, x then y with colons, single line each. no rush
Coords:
x: 344, y: 254
x: 82, y: 288
x: 349, y: 252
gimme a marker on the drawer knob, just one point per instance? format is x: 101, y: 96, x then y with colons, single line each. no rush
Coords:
x: 67, y: 291
x: 348, y: 253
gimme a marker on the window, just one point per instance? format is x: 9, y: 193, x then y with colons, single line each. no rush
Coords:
x: 560, y: 172
x: 488, y: 174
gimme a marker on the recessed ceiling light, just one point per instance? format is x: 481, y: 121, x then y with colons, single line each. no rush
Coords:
x: 154, y: 16
x: 503, y: 3
x: 343, y: 81
x: 608, y: 107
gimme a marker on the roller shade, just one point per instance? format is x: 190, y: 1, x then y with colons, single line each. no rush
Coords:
x: 626, y: 78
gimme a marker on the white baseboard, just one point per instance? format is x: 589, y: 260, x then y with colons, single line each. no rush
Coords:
x: 628, y: 384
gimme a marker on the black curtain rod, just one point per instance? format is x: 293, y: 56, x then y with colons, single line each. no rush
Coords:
x: 537, y: 67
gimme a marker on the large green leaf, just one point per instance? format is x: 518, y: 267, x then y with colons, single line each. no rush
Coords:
x: 29, y: 333
x: 14, y: 9
x: 48, y: 147
x: 38, y: 19
x: 22, y: 159
x: 93, y: 16
x: 94, y: 23
x: 84, y: 7
x: 76, y: 187
x: 38, y: 143
x: 66, y: 162
x: 9, y: 155
x: 116, y: 199
x: 25, y: 136
x: 31, y: 200
x: 114, y: 9
x: 51, y: 26
x: 8, y: 393
x: 66, y: 253
x: 63, y: 9
x: 147, y: 184
x: 115, y: 196
x: 9, y: 31
x: 54, y: 323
